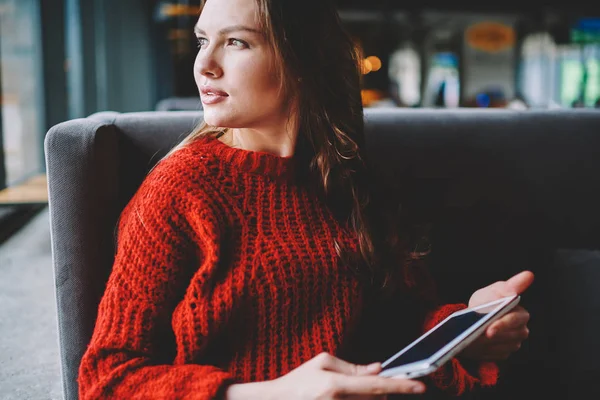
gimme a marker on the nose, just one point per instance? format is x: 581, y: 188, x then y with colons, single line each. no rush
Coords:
x: 207, y: 64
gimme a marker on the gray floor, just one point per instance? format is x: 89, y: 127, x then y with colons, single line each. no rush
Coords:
x: 29, y: 363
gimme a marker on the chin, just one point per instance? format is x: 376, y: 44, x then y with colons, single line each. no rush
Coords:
x: 219, y: 119
x: 213, y: 118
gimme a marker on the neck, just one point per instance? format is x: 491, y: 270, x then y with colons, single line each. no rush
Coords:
x: 277, y: 139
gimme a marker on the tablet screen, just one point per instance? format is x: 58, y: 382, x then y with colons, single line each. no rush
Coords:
x: 439, y: 337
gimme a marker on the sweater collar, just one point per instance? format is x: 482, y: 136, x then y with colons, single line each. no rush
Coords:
x: 255, y: 162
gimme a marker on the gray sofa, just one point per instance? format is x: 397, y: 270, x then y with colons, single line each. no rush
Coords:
x: 500, y: 190
x: 179, y: 104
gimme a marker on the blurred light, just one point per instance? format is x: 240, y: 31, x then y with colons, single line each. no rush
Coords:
x: 179, y: 34
x: 175, y: 10
x: 592, y: 24
x: 366, y: 66
x: 375, y: 63
x: 490, y: 36
x: 483, y: 100
x: 445, y: 59
x: 369, y: 96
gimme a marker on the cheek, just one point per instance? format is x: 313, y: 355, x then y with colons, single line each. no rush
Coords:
x: 195, y: 72
x: 257, y: 76
x: 264, y: 92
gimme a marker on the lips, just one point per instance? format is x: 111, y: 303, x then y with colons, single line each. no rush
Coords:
x: 211, y: 95
x: 209, y: 90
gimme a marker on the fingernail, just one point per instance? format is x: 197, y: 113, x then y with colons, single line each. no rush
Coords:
x: 418, y: 389
x: 373, y: 367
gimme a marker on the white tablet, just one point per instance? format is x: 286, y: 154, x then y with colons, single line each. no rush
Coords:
x: 445, y: 340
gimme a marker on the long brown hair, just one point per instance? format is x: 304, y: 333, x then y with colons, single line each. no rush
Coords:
x: 319, y: 64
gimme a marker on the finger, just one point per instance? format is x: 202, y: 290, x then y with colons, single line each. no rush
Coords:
x: 499, y: 352
x: 510, y: 336
x: 366, y: 397
x: 512, y: 320
x: 329, y: 362
x: 377, y: 386
x: 519, y: 283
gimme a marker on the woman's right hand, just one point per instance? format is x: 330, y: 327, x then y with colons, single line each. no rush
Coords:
x: 327, y: 377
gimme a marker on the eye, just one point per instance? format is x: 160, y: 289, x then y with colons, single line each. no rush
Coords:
x: 237, y: 43
x: 201, y: 42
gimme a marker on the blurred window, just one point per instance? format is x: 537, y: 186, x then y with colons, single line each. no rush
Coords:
x: 22, y: 88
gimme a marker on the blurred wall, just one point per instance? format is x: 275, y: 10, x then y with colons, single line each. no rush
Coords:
x: 109, y: 56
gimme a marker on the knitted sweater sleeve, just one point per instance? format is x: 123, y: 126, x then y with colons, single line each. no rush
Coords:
x: 132, y: 348
x: 453, y: 377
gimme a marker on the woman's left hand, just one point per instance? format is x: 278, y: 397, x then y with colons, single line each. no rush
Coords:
x: 503, y: 337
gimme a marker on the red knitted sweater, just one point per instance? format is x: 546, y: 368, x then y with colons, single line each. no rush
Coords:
x: 226, y: 271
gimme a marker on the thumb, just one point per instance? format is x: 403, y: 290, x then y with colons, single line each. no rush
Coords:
x: 518, y: 283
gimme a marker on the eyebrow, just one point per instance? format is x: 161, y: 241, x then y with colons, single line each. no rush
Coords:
x: 229, y: 29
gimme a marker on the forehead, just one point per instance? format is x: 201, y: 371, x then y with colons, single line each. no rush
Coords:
x: 221, y: 13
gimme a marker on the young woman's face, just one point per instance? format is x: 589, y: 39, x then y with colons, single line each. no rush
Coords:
x: 235, y: 67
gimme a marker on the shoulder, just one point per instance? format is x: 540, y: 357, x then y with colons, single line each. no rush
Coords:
x: 179, y: 186
x: 185, y: 168
x: 191, y: 171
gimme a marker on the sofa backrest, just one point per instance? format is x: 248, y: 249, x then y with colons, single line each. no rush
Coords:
x: 498, y: 191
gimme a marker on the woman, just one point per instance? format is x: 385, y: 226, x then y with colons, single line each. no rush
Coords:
x: 254, y: 261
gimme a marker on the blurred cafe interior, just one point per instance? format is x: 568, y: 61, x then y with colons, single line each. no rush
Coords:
x: 64, y: 59
x: 67, y: 59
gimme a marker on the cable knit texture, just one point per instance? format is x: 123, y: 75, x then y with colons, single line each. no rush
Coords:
x: 226, y: 271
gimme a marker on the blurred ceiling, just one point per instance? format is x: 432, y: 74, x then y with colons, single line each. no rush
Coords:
x: 443, y: 19
x: 571, y: 6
